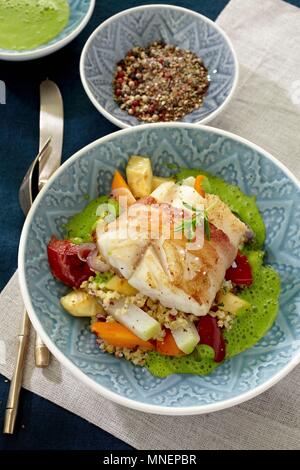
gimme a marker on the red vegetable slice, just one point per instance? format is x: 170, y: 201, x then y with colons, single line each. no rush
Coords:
x: 242, y: 273
x: 65, y: 264
x: 212, y: 335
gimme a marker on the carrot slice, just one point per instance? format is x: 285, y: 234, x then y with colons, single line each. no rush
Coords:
x: 198, y: 185
x: 118, y: 335
x: 118, y: 181
x: 120, y: 189
x: 168, y: 347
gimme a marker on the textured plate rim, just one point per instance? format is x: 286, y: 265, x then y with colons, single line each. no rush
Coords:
x: 42, y: 51
x: 119, y: 122
x: 105, y: 392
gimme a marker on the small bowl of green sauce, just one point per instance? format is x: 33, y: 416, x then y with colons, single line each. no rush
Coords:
x: 31, y: 29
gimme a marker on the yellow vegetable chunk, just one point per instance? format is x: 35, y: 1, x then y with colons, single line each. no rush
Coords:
x: 80, y: 304
x: 139, y: 176
x: 231, y: 303
x: 158, y: 180
x: 120, y: 285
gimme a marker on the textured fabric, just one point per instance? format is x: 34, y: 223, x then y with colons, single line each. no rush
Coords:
x: 265, y: 109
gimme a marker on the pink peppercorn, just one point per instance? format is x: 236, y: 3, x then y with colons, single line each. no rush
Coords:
x: 152, y: 108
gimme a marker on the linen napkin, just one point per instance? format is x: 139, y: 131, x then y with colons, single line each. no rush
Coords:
x: 266, y: 110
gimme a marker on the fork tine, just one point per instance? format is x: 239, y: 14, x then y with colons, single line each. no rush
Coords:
x: 25, y: 191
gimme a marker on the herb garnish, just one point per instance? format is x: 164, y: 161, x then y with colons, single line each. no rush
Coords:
x: 102, y: 278
x: 189, y: 226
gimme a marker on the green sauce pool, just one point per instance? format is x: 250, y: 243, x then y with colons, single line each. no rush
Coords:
x: 27, y: 24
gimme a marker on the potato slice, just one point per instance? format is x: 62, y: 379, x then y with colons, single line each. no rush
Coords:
x: 231, y: 303
x: 120, y: 285
x: 139, y: 176
x: 80, y: 304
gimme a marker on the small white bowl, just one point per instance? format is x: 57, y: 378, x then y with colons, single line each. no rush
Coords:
x: 80, y: 14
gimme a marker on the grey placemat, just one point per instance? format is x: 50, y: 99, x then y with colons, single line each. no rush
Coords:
x: 266, y: 110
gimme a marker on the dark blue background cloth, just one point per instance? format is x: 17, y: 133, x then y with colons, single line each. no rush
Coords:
x: 41, y: 424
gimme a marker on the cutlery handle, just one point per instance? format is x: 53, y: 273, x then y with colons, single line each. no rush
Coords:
x: 41, y: 353
x: 16, y: 381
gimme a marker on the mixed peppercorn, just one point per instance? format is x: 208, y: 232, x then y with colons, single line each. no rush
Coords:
x: 160, y: 82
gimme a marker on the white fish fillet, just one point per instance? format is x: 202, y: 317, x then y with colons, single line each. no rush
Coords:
x: 165, y: 268
x: 121, y: 253
x: 177, y: 195
x: 221, y: 217
x: 150, y: 279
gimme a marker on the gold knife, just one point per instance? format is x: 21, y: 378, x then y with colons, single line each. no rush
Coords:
x: 51, y: 124
x: 25, y: 198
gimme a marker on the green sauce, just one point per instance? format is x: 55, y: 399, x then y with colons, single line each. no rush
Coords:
x: 26, y: 24
x: 80, y: 227
x: 250, y: 324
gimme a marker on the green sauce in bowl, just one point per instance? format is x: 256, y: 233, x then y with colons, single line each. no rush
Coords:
x: 26, y: 24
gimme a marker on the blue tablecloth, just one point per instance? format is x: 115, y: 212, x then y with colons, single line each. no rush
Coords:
x: 41, y: 424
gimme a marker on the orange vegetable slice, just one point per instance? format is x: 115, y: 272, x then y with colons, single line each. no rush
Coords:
x: 198, y: 185
x: 118, y: 335
x: 118, y: 181
x: 120, y: 188
x: 168, y: 347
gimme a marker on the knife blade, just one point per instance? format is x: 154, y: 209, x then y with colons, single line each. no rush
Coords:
x: 51, y: 125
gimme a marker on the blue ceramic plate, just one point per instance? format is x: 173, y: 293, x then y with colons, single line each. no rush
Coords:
x: 139, y: 27
x: 80, y: 13
x: 90, y: 172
